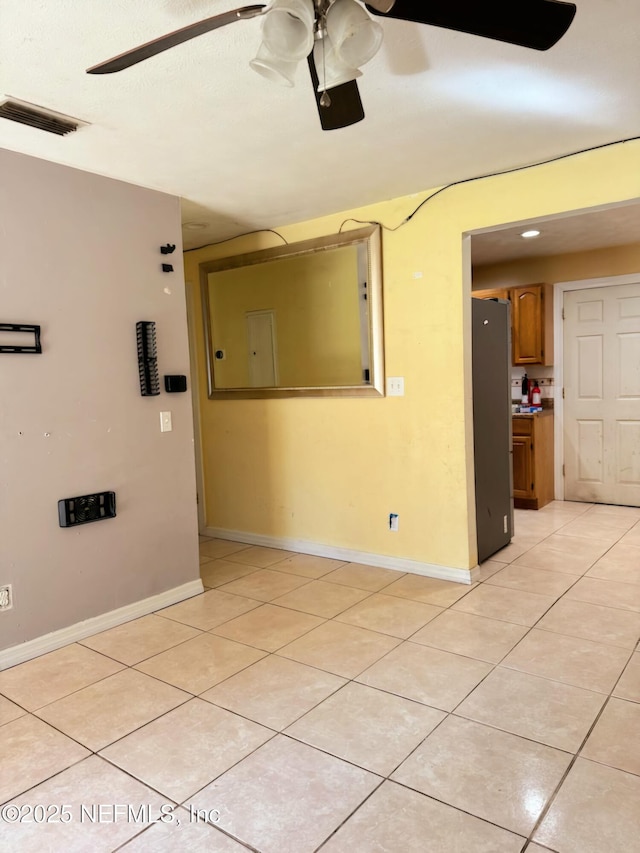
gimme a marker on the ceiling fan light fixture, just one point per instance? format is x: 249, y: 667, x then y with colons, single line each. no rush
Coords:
x: 287, y: 28
x: 332, y: 71
x: 274, y: 68
x: 290, y: 27
x: 355, y: 36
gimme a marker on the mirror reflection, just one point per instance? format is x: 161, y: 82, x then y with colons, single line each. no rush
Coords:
x: 300, y: 319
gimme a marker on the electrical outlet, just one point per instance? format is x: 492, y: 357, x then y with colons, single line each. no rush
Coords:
x: 394, y: 522
x: 395, y: 386
x: 6, y: 597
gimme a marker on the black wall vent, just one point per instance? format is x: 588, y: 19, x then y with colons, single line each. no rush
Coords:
x: 37, y: 117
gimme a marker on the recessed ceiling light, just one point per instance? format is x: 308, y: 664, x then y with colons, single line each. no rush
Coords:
x: 195, y: 226
x: 529, y: 234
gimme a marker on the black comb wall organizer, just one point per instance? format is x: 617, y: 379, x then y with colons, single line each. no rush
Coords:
x: 147, y: 358
x: 82, y: 510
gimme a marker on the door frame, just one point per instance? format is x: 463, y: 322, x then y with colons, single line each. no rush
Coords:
x: 559, y: 289
x: 194, y: 370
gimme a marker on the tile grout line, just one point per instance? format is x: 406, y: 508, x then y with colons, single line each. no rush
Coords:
x: 408, y: 639
x: 155, y: 654
x: 572, y: 763
x: 554, y: 794
x: 352, y: 680
x: 447, y: 714
x: 347, y: 682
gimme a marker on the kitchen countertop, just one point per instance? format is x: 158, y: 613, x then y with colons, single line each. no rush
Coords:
x: 542, y: 414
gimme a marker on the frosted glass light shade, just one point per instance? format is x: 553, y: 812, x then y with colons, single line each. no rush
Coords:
x: 274, y: 68
x: 354, y: 35
x: 330, y: 69
x: 287, y: 28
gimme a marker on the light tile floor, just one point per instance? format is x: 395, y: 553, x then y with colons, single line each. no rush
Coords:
x: 303, y: 704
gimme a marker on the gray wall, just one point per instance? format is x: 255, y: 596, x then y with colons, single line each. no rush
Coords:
x: 79, y: 255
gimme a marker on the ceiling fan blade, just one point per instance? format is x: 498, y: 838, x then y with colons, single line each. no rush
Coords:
x: 538, y: 24
x: 151, y: 48
x: 345, y: 108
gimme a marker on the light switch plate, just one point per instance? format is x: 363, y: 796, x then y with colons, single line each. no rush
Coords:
x: 395, y: 386
x: 165, y: 422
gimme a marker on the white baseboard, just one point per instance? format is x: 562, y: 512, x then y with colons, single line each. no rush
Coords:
x: 383, y: 561
x: 56, y: 639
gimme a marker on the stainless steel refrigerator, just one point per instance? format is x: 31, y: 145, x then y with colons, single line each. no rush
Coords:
x: 491, y: 348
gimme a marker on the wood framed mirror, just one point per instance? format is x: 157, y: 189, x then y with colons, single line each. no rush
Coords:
x: 299, y: 320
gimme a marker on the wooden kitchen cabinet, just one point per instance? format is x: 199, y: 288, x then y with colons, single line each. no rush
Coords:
x: 523, y: 484
x: 532, y: 324
x: 533, y: 460
x: 531, y: 321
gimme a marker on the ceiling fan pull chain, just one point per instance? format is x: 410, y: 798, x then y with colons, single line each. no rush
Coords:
x: 325, y: 98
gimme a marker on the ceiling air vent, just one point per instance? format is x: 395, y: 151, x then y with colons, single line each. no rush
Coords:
x: 38, y: 117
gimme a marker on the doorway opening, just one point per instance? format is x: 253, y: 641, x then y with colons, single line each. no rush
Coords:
x: 592, y: 385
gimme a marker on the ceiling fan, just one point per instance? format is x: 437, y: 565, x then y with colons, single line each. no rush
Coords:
x: 338, y: 36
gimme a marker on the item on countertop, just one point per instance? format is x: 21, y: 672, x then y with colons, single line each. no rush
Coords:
x: 525, y: 390
x: 536, y: 395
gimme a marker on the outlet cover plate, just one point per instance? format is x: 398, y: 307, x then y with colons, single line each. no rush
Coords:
x: 6, y: 597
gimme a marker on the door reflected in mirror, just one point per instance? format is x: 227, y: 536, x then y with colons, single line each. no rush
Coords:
x: 298, y: 320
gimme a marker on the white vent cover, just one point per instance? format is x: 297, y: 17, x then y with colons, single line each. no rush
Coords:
x: 38, y: 117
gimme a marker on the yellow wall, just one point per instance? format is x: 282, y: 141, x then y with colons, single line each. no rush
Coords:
x: 571, y: 266
x: 317, y: 318
x: 331, y: 470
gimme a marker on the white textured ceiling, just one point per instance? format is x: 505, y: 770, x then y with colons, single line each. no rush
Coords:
x: 598, y: 229
x: 244, y: 154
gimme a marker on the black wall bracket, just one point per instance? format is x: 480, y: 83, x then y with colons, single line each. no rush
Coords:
x: 169, y: 249
x: 175, y: 383
x: 82, y: 510
x: 36, y: 347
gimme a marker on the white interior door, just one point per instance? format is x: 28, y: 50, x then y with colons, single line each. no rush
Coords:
x: 263, y: 372
x: 602, y: 394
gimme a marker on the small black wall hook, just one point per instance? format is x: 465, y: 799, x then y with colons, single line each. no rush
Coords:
x: 169, y: 249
